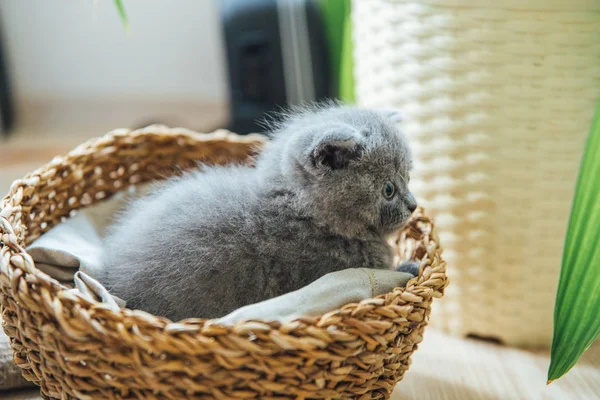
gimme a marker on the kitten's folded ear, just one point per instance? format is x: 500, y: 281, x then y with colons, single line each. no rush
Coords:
x: 335, y: 150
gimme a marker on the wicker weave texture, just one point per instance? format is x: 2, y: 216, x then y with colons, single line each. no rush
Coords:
x: 497, y: 104
x: 76, y: 349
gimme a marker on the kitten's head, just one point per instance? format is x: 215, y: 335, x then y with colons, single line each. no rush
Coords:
x: 350, y: 167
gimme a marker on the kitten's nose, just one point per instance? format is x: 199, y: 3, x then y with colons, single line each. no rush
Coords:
x: 411, y: 203
x: 412, y: 207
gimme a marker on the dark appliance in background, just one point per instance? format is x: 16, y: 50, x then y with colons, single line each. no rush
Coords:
x: 6, y: 107
x: 276, y: 56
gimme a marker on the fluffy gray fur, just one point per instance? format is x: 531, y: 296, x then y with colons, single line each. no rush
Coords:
x: 209, y: 242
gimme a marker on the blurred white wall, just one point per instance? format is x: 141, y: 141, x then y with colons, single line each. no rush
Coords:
x: 78, y: 49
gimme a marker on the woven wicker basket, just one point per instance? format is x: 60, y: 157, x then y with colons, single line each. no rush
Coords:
x: 73, y: 348
x: 497, y: 98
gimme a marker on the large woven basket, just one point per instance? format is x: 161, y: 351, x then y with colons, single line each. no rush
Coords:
x: 74, y: 348
x: 497, y: 98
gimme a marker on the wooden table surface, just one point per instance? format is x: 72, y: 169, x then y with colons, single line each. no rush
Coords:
x: 450, y: 368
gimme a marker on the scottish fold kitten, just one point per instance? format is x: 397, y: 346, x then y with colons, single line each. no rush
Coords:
x: 325, y: 194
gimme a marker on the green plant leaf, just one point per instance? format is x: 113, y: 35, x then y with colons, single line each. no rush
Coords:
x: 577, y: 307
x: 122, y: 14
x: 336, y: 18
x: 347, y: 92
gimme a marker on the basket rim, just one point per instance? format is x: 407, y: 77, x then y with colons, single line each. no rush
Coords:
x: 16, y: 263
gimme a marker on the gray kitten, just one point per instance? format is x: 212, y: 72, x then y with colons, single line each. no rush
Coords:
x: 325, y: 194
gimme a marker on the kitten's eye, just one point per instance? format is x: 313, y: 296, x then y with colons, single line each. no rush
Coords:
x: 388, y: 190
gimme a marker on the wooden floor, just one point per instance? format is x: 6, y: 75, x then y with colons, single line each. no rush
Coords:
x: 448, y: 368
x: 460, y: 369
x: 53, y: 129
x: 445, y: 368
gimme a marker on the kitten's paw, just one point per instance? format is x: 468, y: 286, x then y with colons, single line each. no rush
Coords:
x: 410, y: 267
